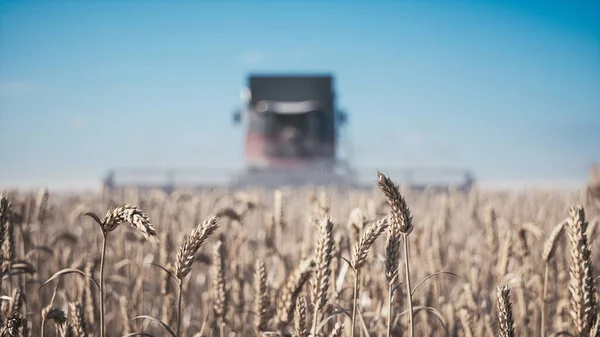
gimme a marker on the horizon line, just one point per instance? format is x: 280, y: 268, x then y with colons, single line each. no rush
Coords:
x: 95, y: 186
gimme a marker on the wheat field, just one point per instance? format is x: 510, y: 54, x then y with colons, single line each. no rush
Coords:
x: 388, y: 261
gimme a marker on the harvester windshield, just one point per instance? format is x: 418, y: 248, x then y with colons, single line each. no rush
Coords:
x: 293, y: 135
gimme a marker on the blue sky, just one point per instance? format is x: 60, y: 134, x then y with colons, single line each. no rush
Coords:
x: 508, y: 89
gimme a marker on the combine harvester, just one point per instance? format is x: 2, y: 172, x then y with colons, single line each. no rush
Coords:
x: 293, y: 132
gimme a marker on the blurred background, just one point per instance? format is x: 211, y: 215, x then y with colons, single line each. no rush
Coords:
x: 509, y: 90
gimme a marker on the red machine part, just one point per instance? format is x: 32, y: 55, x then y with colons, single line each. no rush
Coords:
x: 257, y: 155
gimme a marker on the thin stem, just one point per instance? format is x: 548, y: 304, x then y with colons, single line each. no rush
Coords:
x: 102, y: 328
x: 315, y: 319
x: 408, y: 288
x: 40, y: 238
x: 361, y: 283
x: 179, y: 307
x: 389, y: 322
x: 356, y: 276
x: 43, y: 323
x: 51, y: 303
x: 543, y: 318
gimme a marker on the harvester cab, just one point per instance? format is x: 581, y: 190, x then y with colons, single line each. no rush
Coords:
x: 291, y: 131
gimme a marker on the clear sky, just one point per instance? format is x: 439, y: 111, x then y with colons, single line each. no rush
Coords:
x: 508, y: 89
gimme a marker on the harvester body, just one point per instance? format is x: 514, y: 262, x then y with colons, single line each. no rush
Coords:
x: 292, y: 136
x: 291, y: 131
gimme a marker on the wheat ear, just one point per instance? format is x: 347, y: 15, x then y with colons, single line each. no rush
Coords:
x: 581, y: 285
x: 505, y: 318
x: 321, y: 277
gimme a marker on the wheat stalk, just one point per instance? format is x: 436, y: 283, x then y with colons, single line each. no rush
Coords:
x: 581, y: 285
x: 400, y: 216
x: 505, y: 318
x: 261, y: 291
x: 547, y: 253
x: 362, y: 247
x: 321, y: 276
x: 300, y: 318
x: 288, y: 293
x: 187, y: 254
x: 77, y: 319
x: 113, y: 218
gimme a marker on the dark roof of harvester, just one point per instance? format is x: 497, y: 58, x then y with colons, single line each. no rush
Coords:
x: 291, y: 87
